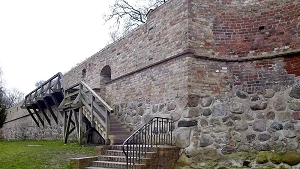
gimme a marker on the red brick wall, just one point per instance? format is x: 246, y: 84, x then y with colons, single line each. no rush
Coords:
x: 235, y: 28
x: 207, y: 77
x: 256, y: 28
x: 292, y: 64
x: 260, y: 74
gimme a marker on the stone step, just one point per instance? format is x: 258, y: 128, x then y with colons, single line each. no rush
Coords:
x: 120, y: 129
x: 98, y: 168
x: 122, y: 132
x: 149, y: 154
x: 119, y: 165
x: 116, y: 128
x: 119, y: 158
x: 114, y: 153
x: 117, y: 124
x: 136, y: 147
x: 109, y: 164
x: 111, y: 158
x: 120, y: 136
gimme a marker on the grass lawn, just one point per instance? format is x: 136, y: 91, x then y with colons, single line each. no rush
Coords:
x: 39, y: 154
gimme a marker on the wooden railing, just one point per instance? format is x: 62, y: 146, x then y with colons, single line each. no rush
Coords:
x: 94, y: 108
x: 51, y: 85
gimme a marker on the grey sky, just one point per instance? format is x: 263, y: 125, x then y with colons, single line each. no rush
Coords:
x: 39, y: 38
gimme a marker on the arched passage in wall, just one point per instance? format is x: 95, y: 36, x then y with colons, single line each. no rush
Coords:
x: 105, y: 76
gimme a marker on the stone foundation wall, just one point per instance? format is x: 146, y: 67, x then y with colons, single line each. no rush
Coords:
x: 222, y: 125
x: 20, y: 126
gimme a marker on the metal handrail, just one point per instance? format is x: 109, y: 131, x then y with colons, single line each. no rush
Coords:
x: 158, y: 131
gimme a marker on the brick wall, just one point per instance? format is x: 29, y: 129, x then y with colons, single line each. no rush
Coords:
x: 162, y: 37
x: 239, y: 28
x: 261, y: 27
x: 258, y: 75
x: 292, y: 64
x: 208, y: 77
x: 161, y: 82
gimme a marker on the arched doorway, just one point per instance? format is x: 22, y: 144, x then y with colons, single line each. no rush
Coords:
x: 105, y: 76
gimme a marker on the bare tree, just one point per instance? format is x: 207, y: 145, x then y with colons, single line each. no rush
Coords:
x: 129, y: 15
x: 12, y: 97
x: 37, y: 84
x: 2, y: 113
x: 2, y: 105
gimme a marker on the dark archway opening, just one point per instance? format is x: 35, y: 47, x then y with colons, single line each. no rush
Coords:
x: 105, y: 74
x: 105, y: 77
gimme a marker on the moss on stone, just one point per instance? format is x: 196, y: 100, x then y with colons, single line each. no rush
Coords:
x: 275, y: 158
x: 284, y: 167
x: 262, y: 157
x: 183, y: 160
x: 291, y: 158
x: 197, y: 165
x: 269, y: 167
x: 212, y: 164
x: 243, y: 155
x: 222, y: 168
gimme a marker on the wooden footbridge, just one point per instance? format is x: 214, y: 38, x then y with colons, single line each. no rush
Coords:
x: 79, y: 105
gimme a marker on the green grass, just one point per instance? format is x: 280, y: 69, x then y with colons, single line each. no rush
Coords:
x: 39, y: 154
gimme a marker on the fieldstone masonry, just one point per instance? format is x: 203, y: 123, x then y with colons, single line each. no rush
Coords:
x: 226, y: 71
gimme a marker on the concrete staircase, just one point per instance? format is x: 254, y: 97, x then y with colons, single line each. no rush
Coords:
x: 114, y: 158
x: 141, y: 151
x: 118, y: 131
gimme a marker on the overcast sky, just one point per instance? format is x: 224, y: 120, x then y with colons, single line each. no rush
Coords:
x: 39, y: 38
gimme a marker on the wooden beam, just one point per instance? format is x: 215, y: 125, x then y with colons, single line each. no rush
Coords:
x: 72, y: 129
x: 34, y: 119
x: 51, y: 111
x: 54, y: 100
x: 39, y: 117
x: 68, y: 127
x: 80, y: 124
x: 65, y: 126
x: 76, y: 123
x: 44, y: 113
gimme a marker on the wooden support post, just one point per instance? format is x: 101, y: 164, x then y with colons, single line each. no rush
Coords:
x: 107, y: 127
x: 34, y: 119
x: 44, y: 113
x: 80, y: 124
x: 92, y: 112
x: 65, y: 126
x: 39, y: 117
x: 67, y: 133
x: 54, y: 100
x: 76, y: 123
x: 72, y: 129
x: 51, y: 111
